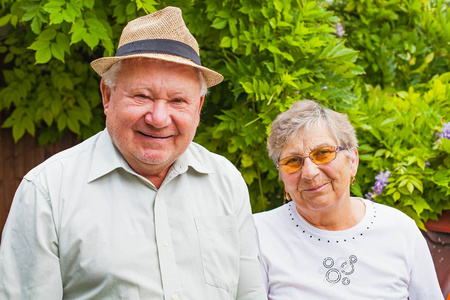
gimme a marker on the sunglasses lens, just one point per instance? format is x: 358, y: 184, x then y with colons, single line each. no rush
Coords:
x: 290, y: 164
x: 323, y: 155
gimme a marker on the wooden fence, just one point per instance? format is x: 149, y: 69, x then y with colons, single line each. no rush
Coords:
x: 19, y: 158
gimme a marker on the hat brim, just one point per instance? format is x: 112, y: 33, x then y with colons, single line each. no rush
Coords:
x: 212, y: 78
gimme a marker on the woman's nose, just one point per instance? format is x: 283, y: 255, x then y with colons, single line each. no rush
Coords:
x: 309, y: 169
x: 158, y: 114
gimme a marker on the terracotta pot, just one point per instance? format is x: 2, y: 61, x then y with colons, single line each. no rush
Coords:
x: 438, y: 239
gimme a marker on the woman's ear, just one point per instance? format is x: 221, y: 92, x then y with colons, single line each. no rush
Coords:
x: 354, y: 162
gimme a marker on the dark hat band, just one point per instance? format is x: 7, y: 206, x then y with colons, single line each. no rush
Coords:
x: 161, y: 46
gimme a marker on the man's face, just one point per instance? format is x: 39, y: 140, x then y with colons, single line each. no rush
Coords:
x: 152, y: 113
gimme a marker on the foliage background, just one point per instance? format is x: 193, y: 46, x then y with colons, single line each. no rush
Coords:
x: 384, y: 63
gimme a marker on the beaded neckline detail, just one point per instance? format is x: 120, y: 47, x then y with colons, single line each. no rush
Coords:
x: 354, y: 233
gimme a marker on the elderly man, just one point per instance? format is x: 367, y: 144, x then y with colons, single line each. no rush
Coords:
x: 138, y: 211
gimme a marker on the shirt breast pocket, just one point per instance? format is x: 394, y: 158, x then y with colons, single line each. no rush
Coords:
x: 219, y: 246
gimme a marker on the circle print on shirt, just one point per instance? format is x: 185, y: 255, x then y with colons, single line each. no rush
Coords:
x: 337, y: 271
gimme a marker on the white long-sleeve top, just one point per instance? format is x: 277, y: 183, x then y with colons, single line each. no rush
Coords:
x: 383, y: 257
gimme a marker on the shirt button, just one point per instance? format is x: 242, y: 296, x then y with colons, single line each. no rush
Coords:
x: 175, y: 297
x: 165, y: 244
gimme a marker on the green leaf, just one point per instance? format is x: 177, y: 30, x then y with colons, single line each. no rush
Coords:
x: 61, y: 122
x: 63, y: 41
x: 57, y: 51
x: 91, y: 40
x: 38, y: 45
x: 73, y: 125
x: 9, y: 122
x: 429, y: 58
x: 78, y: 31
x: 48, y: 117
x: 219, y: 23
x: 55, y: 107
x: 234, y: 43
x: 36, y: 25
x: 246, y: 160
x: 410, y: 187
x: 14, y: 20
x: 130, y: 8
x: 96, y: 27
x: 223, y: 14
x: 69, y: 14
x: 29, y: 15
x: 89, y: 3
x: 55, y: 4
x: 249, y: 176
x: 47, y: 35
x: 43, y: 55
x: 417, y: 183
x: 56, y: 17
x: 344, y: 52
x: 5, y: 20
x: 388, y: 121
x: 248, y: 87
x: 29, y: 125
x: 420, y: 205
x: 18, y: 131
x: 225, y: 42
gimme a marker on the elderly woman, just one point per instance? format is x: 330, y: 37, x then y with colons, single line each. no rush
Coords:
x: 325, y: 244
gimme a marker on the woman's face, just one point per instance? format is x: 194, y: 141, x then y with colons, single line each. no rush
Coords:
x: 318, y: 188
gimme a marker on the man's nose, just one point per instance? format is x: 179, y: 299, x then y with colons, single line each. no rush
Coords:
x: 158, y: 114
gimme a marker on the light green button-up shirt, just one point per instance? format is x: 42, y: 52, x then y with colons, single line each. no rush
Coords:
x: 84, y: 225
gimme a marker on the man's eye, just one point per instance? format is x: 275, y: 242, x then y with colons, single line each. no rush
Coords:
x: 178, y: 100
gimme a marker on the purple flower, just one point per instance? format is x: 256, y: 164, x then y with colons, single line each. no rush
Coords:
x: 339, y: 30
x: 369, y: 196
x: 445, y: 132
x: 380, y: 184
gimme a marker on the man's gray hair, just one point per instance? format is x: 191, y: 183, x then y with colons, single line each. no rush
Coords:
x: 110, y: 78
x: 306, y: 115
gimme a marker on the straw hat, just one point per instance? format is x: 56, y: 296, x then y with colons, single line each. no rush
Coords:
x: 160, y: 35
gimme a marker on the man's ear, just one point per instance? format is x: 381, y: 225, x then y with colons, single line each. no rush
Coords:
x: 106, y: 96
x: 202, y: 98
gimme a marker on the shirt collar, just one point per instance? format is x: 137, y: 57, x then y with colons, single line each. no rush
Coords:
x: 107, y: 158
x: 193, y: 158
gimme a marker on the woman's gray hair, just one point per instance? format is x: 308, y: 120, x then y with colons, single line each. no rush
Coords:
x: 307, y: 115
x: 110, y: 78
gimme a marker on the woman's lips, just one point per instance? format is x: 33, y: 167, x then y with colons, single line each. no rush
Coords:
x: 316, y: 188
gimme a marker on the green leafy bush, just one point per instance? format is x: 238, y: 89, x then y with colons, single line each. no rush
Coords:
x: 403, y: 47
x: 272, y: 53
x: 398, y: 133
x: 401, y: 42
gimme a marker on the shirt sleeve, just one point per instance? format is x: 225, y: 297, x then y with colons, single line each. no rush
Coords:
x: 29, y: 263
x: 263, y: 266
x: 423, y: 283
x: 250, y: 286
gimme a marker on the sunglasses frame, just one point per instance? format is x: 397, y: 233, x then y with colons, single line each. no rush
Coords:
x: 336, y: 148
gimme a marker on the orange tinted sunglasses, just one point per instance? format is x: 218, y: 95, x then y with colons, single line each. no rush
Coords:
x: 319, y: 156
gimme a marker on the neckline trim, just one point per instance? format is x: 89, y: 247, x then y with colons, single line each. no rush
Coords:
x: 309, y: 232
